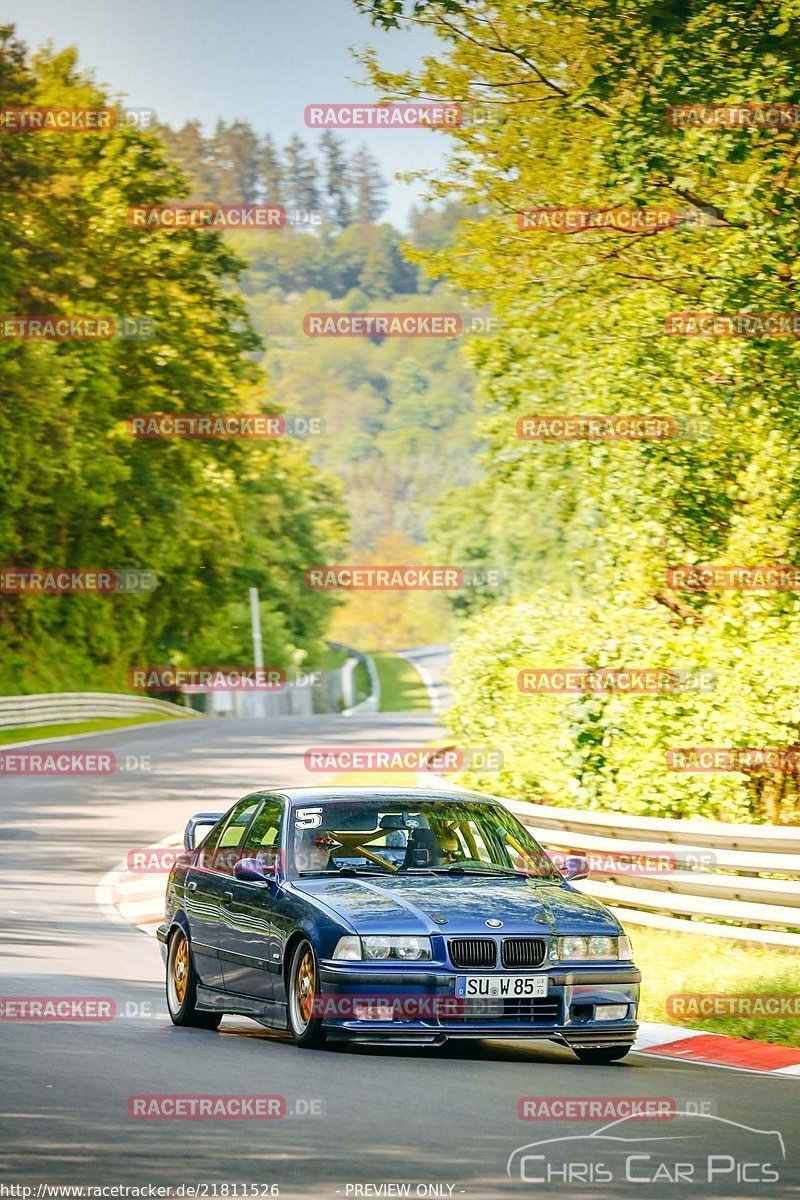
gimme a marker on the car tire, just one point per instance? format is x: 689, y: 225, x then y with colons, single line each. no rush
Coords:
x: 302, y: 984
x: 182, y: 986
x: 602, y: 1054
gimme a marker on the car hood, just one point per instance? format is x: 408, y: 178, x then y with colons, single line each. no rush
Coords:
x: 434, y: 904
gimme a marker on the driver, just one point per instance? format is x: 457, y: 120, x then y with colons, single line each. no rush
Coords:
x: 313, y: 852
x: 449, y: 847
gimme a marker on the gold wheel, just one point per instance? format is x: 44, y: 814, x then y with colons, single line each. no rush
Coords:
x: 305, y: 986
x: 180, y: 968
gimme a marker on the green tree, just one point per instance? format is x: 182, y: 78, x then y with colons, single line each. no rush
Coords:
x: 337, y: 179
x: 301, y: 176
x: 271, y: 172
x: 570, y: 108
x: 369, y: 187
x: 238, y: 159
x: 208, y: 518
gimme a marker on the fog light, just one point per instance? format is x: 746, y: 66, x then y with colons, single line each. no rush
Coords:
x: 610, y: 1012
x: 372, y: 1010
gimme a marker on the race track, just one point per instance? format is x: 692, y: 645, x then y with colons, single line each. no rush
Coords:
x: 359, y: 1116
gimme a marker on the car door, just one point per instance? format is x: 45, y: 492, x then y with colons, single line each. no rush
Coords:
x: 205, y: 884
x: 250, y: 954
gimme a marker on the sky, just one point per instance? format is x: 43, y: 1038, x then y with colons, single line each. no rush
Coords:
x: 256, y: 60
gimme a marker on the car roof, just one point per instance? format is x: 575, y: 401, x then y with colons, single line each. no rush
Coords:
x: 412, y: 795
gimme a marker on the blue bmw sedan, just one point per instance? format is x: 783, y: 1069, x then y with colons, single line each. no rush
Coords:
x: 391, y: 915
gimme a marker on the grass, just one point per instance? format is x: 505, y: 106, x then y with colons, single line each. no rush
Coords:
x: 402, y: 686
x: 361, y: 682
x: 33, y: 732
x: 682, y: 962
x: 330, y: 659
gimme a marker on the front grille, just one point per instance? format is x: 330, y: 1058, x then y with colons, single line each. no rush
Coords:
x: 472, y: 952
x: 542, y: 1011
x: 523, y: 952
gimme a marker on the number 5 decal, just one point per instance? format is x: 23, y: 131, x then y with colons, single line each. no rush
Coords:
x: 308, y: 818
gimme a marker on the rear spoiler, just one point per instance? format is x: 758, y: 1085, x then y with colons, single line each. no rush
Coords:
x: 203, y: 822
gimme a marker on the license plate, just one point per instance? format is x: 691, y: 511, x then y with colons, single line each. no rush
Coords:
x: 508, y: 987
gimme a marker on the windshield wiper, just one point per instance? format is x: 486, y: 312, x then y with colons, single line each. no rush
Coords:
x: 338, y: 871
x: 360, y: 871
x: 457, y: 869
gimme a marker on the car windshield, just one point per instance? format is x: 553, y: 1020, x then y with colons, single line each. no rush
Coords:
x: 368, y: 836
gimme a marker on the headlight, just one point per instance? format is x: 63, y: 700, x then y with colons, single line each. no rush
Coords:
x: 376, y: 947
x: 572, y: 947
x: 381, y: 949
x: 602, y: 947
x: 349, y: 949
x: 597, y: 948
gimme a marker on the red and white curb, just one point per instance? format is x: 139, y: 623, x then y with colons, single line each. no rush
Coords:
x: 135, y: 897
x: 717, y: 1050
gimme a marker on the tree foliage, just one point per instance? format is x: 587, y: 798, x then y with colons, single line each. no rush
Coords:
x: 235, y: 165
x: 567, y: 106
x: 209, y: 518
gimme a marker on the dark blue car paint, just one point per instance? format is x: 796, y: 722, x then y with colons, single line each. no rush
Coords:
x: 242, y: 935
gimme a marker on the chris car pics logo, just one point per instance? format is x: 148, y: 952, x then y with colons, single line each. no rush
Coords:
x: 696, y: 1149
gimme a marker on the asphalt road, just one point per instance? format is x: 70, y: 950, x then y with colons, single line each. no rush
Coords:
x: 361, y: 1119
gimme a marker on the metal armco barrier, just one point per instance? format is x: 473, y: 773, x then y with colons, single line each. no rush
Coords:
x: 373, y: 700
x: 739, y: 882
x: 747, y: 876
x: 69, y: 708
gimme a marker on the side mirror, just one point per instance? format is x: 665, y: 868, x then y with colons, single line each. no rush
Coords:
x: 575, y: 867
x: 252, y: 871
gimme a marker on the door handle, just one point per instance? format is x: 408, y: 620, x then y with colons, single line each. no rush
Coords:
x: 227, y: 895
x: 191, y: 885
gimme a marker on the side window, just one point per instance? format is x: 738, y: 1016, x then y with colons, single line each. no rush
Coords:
x: 221, y: 849
x: 264, y: 838
x: 209, y: 843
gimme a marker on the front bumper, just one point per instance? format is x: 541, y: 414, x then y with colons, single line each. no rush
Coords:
x: 418, y: 1006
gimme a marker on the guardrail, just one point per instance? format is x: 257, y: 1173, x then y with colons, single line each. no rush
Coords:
x: 70, y: 708
x: 373, y: 700
x: 733, y: 881
x: 740, y: 882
